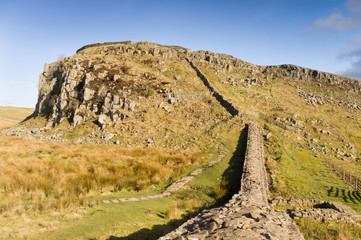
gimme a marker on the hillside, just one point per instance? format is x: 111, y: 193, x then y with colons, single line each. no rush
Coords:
x: 10, y: 116
x: 176, y: 101
x: 147, y: 94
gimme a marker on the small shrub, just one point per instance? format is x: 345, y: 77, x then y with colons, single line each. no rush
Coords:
x: 174, y: 212
x: 127, y: 69
x: 148, y: 92
x: 221, y: 190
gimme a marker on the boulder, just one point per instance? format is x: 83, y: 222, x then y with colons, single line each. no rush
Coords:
x: 102, y: 119
x: 88, y: 78
x: 77, y: 119
x: 132, y: 106
x: 102, y: 75
x: 108, y: 101
x: 97, y: 66
x: 116, y: 77
x: 102, y: 92
x: 88, y: 94
x: 116, y: 99
x: 268, y: 136
x: 172, y: 100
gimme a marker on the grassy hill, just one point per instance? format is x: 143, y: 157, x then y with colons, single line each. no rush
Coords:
x: 158, y: 121
x: 303, y: 134
x: 9, y: 116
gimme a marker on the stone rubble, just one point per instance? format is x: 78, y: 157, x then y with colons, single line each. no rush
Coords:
x: 314, y: 98
x: 319, y: 210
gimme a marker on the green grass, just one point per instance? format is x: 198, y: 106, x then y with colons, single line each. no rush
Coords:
x: 147, y: 219
x: 160, y: 188
x: 299, y: 174
x: 296, y: 172
x: 285, y: 207
x: 108, y: 220
x: 315, y: 230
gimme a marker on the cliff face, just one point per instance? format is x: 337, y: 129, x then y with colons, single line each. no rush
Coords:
x: 103, y: 80
x: 306, y: 74
x: 86, y: 85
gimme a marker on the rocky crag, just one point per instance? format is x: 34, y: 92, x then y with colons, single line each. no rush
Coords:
x: 102, y: 83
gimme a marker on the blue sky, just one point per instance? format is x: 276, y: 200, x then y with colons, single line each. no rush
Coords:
x: 323, y: 34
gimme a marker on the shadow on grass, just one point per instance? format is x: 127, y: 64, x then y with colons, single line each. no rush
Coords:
x: 33, y: 115
x: 347, y: 196
x: 232, y: 182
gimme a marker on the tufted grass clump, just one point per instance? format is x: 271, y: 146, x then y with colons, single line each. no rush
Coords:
x: 316, y: 230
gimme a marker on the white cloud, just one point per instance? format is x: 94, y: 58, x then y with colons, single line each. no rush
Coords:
x: 337, y: 20
x: 354, y: 6
x: 13, y: 83
x: 7, y: 102
x: 354, y: 55
x: 354, y: 71
x: 350, y: 20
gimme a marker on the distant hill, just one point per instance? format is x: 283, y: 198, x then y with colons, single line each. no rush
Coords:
x: 10, y: 116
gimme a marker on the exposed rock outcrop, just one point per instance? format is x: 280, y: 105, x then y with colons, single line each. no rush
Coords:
x: 80, y: 88
x: 305, y: 74
x: 77, y: 91
x: 314, y: 98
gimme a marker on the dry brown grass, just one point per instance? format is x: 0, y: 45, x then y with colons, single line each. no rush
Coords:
x: 10, y: 116
x: 174, y: 212
x: 48, y: 176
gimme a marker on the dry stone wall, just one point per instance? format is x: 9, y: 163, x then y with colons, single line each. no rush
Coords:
x: 247, y: 215
x: 220, y: 98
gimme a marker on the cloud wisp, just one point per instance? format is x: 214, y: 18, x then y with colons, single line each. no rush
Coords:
x: 337, y: 20
x: 349, y: 21
x: 353, y: 54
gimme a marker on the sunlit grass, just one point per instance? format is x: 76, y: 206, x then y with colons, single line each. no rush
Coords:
x: 47, y: 176
x: 10, y: 116
x: 316, y: 230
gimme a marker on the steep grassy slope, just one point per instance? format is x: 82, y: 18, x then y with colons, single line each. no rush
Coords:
x: 303, y: 134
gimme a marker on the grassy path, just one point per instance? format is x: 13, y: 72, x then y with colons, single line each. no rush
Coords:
x: 139, y: 219
x: 172, y: 188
